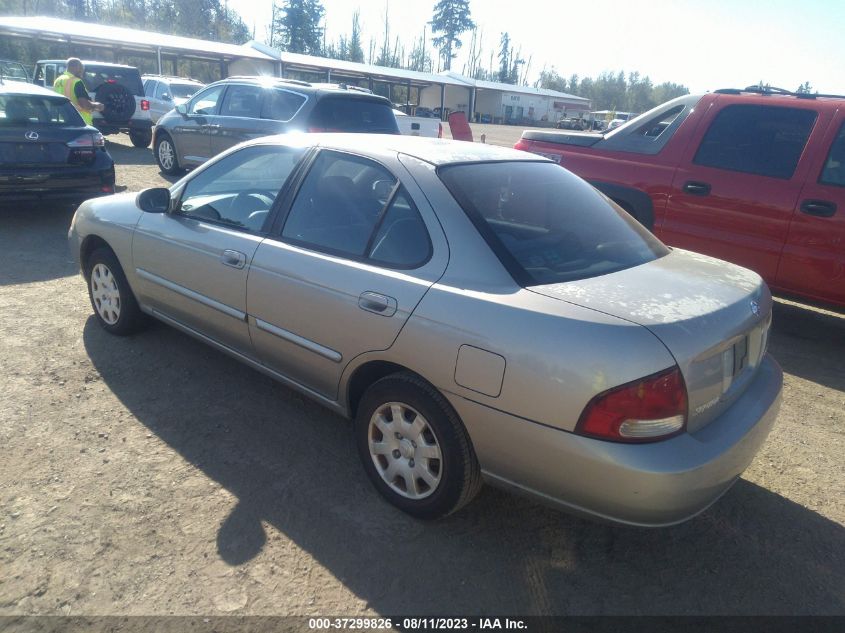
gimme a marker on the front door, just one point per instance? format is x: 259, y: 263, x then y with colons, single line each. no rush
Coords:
x: 192, y: 264
x: 358, y: 250
x: 191, y: 133
x: 735, y: 189
x: 813, y: 262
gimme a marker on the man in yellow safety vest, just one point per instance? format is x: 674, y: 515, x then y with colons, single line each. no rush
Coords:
x: 70, y: 85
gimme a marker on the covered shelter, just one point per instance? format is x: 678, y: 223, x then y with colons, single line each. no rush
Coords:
x: 121, y: 44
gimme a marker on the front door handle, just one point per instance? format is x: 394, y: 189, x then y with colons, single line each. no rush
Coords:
x: 377, y: 303
x: 697, y: 188
x: 819, y: 208
x: 235, y: 259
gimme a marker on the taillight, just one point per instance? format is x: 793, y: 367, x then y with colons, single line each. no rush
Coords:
x: 87, y: 142
x: 316, y: 129
x: 145, y: 104
x: 439, y: 130
x: 646, y: 410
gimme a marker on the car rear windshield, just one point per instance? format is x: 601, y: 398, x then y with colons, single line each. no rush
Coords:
x: 129, y: 78
x: 546, y: 224
x: 25, y: 110
x: 183, y: 91
x: 343, y: 114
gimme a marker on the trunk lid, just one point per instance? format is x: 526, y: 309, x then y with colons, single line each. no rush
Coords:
x: 712, y: 316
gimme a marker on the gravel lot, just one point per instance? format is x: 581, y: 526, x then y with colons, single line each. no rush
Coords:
x: 152, y: 475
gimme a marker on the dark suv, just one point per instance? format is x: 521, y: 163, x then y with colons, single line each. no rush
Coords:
x: 118, y: 88
x: 241, y: 108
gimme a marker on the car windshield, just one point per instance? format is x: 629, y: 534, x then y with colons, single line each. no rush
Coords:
x: 25, y: 110
x: 183, y: 91
x: 130, y: 78
x: 546, y: 224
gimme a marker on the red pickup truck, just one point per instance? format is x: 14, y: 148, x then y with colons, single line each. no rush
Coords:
x: 756, y: 177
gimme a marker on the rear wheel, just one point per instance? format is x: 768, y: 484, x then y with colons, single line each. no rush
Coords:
x: 114, y: 304
x: 414, y: 447
x: 141, y: 138
x: 165, y: 153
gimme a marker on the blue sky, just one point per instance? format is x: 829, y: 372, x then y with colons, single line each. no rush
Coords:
x: 704, y: 44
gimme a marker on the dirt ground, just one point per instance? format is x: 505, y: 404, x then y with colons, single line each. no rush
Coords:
x: 153, y: 475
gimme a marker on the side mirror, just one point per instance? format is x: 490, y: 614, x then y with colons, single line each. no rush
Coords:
x: 155, y: 200
x: 182, y: 109
x: 166, y: 97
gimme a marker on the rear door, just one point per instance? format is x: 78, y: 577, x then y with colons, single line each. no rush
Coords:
x: 238, y: 118
x: 735, y: 189
x: 813, y: 261
x: 358, y: 250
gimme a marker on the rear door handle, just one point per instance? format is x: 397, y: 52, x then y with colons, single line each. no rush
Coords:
x: 377, y: 303
x: 820, y: 208
x: 697, y: 188
x: 235, y: 259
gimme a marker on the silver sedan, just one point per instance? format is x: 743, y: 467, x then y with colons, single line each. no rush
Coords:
x: 481, y: 314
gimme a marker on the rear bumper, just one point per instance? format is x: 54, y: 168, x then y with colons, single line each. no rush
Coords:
x: 133, y: 125
x: 649, y: 485
x: 64, y: 184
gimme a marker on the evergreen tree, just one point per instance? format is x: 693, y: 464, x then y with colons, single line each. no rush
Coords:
x: 356, y: 51
x: 451, y: 19
x: 297, y: 26
x: 504, y: 58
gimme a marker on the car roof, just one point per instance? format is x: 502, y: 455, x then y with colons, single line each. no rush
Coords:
x: 303, y: 86
x: 431, y: 150
x: 172, y: 78
x: 20, y: 88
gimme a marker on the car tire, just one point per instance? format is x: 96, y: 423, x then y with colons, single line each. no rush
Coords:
x: 141, y: 138
x: 115, y: 307
x: 165, y: 153
x: 118, y: 101
x: 424, y: 463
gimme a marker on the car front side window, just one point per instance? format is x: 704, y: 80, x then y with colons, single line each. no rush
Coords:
x: 206, y: 101
x: 239, y: 190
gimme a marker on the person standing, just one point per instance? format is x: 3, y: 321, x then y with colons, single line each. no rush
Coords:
x: 70, y: 84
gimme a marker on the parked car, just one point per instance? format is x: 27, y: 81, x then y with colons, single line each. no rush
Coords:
x: 418, y: 126
x: 754, y: 178
x: 47, y: 152
x: 573, y: 124
x: 477, y: 311
x: 237, y: 109
x: 13, y: 71
x: 165, y: 93
x: 424, y: 112
x: 118, y: 88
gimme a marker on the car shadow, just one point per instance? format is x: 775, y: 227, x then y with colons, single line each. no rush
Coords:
x: 128, y: 154
x: 33, y: 243
x: 809, y: 343
x: 292, y: 465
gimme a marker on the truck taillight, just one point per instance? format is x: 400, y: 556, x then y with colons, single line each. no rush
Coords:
x: 653, y: 408
x: 145, y: 104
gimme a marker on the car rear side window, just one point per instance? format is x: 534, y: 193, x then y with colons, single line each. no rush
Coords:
x: 833, y: 172
x: 353, y: 207
x: 547, y: 225
x: 150, y: 88
x: 16, y: 110
x: 281, y: 105
x: 762, y: 140
x: 344, y: 114
x: 242, y: 101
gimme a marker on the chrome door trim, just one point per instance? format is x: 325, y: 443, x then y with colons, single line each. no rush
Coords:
x: 190, y: 294
x: 311, y: 346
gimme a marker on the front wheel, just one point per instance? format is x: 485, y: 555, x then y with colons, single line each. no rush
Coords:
x: 114, y: 304
x: 141, y: 138
x: 165, y: 152
x: 414, y: 447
